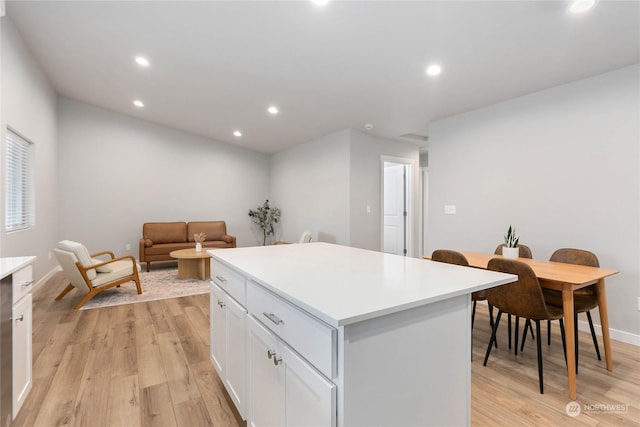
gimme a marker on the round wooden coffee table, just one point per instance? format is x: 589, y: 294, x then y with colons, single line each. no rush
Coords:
x: 192, y: 264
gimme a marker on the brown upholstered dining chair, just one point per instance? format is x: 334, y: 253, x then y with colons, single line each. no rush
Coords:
x: 523, y: 252
x: 457, y: 258
x: 522, y: 298
x: 584, y: 300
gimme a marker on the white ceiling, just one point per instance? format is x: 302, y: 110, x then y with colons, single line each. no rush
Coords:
x: 216, y: 66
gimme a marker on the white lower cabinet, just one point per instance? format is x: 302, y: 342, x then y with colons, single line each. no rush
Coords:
x: 228, y: 328
x: 284, y: 390
x: 22, y: 351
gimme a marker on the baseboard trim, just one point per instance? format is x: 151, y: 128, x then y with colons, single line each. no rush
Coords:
x: 46, y: 277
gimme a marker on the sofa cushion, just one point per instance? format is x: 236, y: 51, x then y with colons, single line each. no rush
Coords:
x: 81, y: 253
x: 165, y: 232
x: 165, y: 248
x: 213, y: 229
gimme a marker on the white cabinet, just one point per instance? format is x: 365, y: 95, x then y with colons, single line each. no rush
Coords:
x: 284, y: 389
x: 21, y: 351
x: 228, y: 320
x: 16, y: 283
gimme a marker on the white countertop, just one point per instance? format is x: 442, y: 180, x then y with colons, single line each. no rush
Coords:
x: 342, y: 285
x: 10, y: 265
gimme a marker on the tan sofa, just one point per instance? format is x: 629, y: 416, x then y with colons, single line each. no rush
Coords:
x: 160, y: 238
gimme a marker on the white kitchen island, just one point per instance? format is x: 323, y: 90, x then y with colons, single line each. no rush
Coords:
x: 321, y: 334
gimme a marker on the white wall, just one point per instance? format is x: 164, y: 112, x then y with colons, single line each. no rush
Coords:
x: 310, y: 184
x: 561, y: 165
x: 29, y: 108
x: 366, y: 183
x: 117, y: 172
x: 326, y: 184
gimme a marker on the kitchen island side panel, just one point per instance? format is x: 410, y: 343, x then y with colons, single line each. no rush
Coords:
x: 410, y: 368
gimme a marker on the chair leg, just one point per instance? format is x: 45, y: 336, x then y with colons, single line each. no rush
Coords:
x: 527, y: 325
x: 491, y: 322
x: 86, y: 299
x: 564, y: 342
x: 509, y: 330
x: 539, y: 345
x: 548, y: 332
x: 148, y: 266
x: 64, y: 292
x: 593, y: 335
x: 473, y: 313
x: 493, y: 337
x: 515, y: 335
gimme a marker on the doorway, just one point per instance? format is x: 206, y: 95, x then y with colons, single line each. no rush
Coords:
x: 396, y: 192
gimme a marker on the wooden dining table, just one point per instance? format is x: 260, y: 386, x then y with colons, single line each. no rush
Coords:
x: 565, y: 278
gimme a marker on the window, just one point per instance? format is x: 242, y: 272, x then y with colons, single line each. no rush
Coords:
x: 19, y: 202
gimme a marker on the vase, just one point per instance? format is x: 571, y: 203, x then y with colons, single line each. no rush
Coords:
x: 510, y: 253
x: 198, y: 247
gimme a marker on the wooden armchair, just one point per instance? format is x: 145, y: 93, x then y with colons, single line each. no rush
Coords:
x: 90, y: 275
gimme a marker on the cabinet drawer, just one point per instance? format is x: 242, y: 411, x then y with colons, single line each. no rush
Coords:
x: 312, y: 338
x: 229, y: 280
x: 22, y: 283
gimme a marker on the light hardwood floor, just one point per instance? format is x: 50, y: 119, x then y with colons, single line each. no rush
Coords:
x: 147, y: 364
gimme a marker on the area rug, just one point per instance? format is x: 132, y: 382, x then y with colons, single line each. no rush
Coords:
x: 159, y: 283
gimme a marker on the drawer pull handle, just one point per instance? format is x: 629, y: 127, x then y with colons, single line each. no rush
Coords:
x: 19, y: 318
x: 222, y: 279
x: 275, y: 319
x: 221, y: 304
x: 25, y: 284
x: 270, y: 354
x: 276, y: 359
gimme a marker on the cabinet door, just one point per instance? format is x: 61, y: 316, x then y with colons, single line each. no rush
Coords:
x: 310, y: 399
x: 21, y: 352
x: 266, y: 387
x: 218, y: 330
x: 235, y: 377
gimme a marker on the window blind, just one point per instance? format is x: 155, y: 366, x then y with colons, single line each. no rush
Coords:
x: 19, y: 205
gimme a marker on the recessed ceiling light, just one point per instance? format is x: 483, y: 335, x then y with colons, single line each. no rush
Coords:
x: 434, y: 70
x: 142, y: 61
x: 138, y: 103
x: 237, y: 133
x: 368, y: 126
x: 320, y: 2
x: 272, y: 110
x: 580, y: 6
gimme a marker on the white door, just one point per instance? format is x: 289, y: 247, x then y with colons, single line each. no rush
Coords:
x: 266, y: 387
x: 395, y: 208
x: 21, y: 352
x: 218, y: 330
x: 235, y: 370
x: 310, y: 399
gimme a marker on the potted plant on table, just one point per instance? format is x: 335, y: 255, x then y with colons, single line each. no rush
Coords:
x: 511, y: 239
x: 199, y: 239
x: 265, y: 217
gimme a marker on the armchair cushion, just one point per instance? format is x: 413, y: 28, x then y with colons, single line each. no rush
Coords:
x: 108, y: 268
x: 81, y: 253
x: 118, y: 269
x: 226, y: 238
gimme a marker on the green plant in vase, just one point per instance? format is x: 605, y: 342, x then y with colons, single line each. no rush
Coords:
x: 511, y: 240
x: 265, y: 217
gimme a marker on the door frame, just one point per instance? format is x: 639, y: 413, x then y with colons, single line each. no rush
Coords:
x: 411, y: 163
